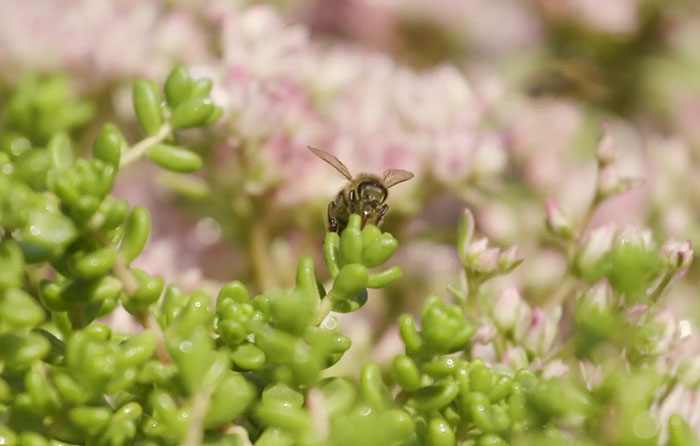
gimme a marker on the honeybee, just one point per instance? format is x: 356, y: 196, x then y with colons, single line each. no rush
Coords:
x: 365, y: 194
x: 571, y: 79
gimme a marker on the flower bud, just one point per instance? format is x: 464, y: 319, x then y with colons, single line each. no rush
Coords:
x: 515, y: 357
x: 508, y: 309
x: 484, y: 334
x: 475, y: 250
x: 659, y: 333
x: 555, y: 369
x: 598, y: 296
x: 509, y: 259
x: 639, y: 239
x: 558, y: 223
x: 482, y: 259
x: 542, y: 331
x: 597, y: 245
x: 606, y: 153
x: 676, y: 254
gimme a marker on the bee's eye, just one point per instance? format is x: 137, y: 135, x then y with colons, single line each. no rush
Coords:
x: 352, y: 195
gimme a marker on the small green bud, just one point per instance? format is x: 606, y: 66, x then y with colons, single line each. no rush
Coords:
x: 109, y: 145
x: 351, y: 279
x: 351, y: 241
x: 32, y: 166
x: 28, y: 438
x: 202, y: 88
x: 69, y: 389
x: 440, y: 433
x: 11, y: 265
x: 331, y: 253
x: 339, y: 396
x: 680, y: 434
x: 374, y: 391
x: 174, y: 300
x: 379, y: 250
x: 48, y: 231
x: 7, y: 437
x: 409, y: 334
x: 178, y: 86
x: 273, y: 436
x: 232, y: 397
x: 174, y: 158
x: 19, y: 351
x: 214, y: 116
x: 383, y: 279
x: 248, y: 357
x: 19, y: 309
x: 481, y: 378
x: 90, y: 420
x: 442, y: 367
x: 286, y: 417
x: 491, y: 440
x: 146, y: 100
x: 82, y: 292
x: 501, y: 389
x: 398, y: 423
x: 138, y: 228
x: 95, y: 264
x: 60, y: 151
x: 479, y: 409
x: 405, y: 372
x: 235, y: 291
x: 436, y: 396
x: 138, y: 349
x: 193, y: 112
x: 147, y: 292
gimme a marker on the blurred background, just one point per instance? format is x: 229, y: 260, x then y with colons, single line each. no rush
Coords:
x: 494, y: 105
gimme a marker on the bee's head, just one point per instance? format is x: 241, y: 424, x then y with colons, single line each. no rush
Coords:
x: 372, y: 195
x: 371, y: 192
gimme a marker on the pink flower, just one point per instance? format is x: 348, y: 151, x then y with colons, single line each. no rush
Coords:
x: 508, y: 309
x: 557, y: 221
x: 597, y: 244
x: 677, y: 254
x: 538, y: 332
x: 515, y: 358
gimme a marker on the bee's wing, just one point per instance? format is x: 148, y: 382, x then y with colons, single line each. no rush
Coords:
x: 333, y: 161
x: 392, y: 177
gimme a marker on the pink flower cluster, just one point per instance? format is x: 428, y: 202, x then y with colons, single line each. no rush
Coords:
x: 100, y: 41
x: 284, y: 91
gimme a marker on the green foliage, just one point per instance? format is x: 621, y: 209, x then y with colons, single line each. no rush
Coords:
x: 238, y: 368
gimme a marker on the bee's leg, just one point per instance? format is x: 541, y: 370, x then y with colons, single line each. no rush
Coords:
x: 332, y: 221
x: 382, y: 212
x: 353, y: 199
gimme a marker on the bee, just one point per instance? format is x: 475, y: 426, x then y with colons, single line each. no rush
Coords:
x: 572, y: 78
x: 365, y: 194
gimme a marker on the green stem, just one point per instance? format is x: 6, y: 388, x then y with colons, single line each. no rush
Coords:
x: 659, y: 291
x: 148, y: 322
x: 136, y: 151
x: 322, y: 310
x: 470, y: 305
x: 260, y: 252
x: 195, y: 432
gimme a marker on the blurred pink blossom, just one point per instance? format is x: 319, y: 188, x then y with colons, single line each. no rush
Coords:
x: 100, y: 40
